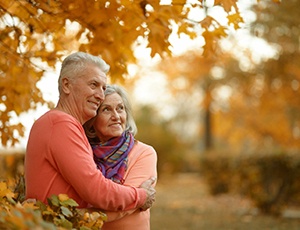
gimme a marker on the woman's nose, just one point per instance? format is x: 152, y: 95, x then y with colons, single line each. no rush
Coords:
x: 115, y: 114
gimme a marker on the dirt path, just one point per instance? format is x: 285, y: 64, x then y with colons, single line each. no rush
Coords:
x: 183, y: 203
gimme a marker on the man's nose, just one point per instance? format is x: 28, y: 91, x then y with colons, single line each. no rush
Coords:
x: 100, y: 95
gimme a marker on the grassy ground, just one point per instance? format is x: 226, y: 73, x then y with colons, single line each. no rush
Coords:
x: 183, y: 203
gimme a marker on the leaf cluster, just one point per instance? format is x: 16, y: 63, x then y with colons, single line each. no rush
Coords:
x: 35, y: 35
x: 60, y: 212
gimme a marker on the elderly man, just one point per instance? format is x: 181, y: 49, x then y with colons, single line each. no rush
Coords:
x: 59, y: 158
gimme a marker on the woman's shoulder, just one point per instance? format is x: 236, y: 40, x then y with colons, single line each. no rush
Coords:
x: 142, y: 152
x: 141, y: 144
x: 142, y: 147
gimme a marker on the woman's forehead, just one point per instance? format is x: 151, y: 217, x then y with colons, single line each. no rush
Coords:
x: 112, y: 99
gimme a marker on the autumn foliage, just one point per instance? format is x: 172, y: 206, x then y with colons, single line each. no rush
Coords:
x: 35, y: 35
x: 59, y: 213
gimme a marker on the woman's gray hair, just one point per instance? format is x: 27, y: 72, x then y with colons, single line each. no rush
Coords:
x: 75, y: 65
x: 130, y: 124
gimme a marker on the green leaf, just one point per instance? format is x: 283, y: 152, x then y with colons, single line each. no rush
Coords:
x: 84, y: 228
x: 69, y: 202
x: 66, y: 211
x: 63, y: 222
x: 54, y: 200
x: 41, y: 205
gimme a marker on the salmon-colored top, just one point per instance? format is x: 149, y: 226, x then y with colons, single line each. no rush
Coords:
x: 59, y: 160
x: 142, y: 163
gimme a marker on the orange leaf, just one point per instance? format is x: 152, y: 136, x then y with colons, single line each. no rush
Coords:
x: 235, y: 19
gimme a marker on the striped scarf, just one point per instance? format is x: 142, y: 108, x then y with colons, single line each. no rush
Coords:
x: 111, y: 157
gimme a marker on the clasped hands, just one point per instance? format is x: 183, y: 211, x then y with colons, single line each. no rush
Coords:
x: 147, y: 185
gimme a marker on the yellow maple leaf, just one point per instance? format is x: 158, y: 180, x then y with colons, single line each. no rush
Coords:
x: 184, y: 28
x: 63, y: 197
x: 206, y: 22
x: 228, y: 4
x: 3, y: 186
x: 219, y: 32
x: 235, y: 19
x: 5, y: 191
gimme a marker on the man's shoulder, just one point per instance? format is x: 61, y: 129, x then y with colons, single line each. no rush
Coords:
x: 56, y: 116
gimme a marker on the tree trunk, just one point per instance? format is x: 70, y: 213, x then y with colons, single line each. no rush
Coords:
x: 207, y: 129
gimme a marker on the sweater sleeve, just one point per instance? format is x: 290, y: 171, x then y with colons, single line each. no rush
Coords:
x: 141, y: 166
x: 72, y: 156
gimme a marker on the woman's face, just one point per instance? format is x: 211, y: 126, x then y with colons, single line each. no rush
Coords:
x: 111, y: 119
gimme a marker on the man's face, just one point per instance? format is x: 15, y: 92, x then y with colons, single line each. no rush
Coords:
x: 87, y: 93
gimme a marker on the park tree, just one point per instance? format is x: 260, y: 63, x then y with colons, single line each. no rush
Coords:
x: 37, y: 34
x: 200, y: 80
x: 262, y: 111
x: 191, y: 72
x: 265, y: 99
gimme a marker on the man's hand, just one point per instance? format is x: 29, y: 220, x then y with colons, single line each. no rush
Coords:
x: 147, y: 185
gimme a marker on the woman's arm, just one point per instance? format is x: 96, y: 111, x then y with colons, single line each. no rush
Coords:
x: 142, y: 164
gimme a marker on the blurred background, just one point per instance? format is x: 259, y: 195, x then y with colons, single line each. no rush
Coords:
x: 214, y: 87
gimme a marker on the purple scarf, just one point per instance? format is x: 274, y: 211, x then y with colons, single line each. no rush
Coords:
x: 111, y: 157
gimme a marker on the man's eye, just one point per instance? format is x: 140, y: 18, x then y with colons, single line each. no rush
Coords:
x: 94, y: 84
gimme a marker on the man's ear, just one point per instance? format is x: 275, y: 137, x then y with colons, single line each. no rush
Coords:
x: 65, y: 85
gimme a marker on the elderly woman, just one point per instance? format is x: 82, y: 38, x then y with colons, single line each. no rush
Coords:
x: 119, y: 156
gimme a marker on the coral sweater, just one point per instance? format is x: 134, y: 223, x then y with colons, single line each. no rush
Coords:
x: 59, y: 160
x: 142, y: 164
